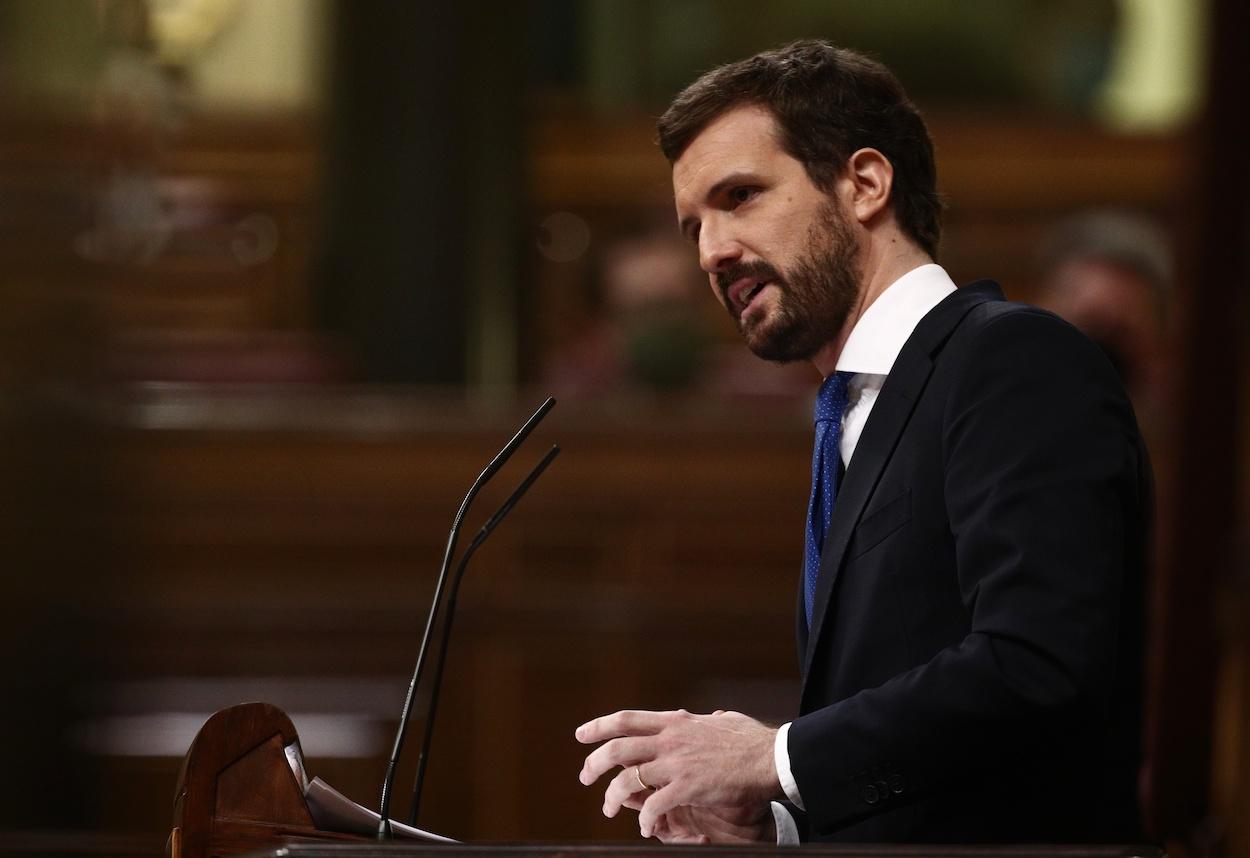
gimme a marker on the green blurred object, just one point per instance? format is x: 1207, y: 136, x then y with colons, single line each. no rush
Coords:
x: 666, y: 351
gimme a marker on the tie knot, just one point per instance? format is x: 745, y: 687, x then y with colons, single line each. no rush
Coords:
x: 832, y: 398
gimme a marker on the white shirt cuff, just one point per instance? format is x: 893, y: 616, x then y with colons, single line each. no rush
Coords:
x: 781, y: 756
x: 787, y: 831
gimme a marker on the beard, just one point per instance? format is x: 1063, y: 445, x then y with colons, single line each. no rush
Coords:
x: 816, y: 292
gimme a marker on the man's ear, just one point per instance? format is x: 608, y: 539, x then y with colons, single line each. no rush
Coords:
x: 871, y: 176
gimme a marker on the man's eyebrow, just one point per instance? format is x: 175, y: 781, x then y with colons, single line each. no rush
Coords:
x: 734, y: 178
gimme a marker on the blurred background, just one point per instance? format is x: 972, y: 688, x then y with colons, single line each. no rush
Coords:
x: 277, y: 278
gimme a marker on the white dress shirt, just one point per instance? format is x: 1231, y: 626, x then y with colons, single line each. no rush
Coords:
x: 870, y: 352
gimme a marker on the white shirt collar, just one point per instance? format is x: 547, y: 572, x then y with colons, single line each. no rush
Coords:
x: 880, y: 333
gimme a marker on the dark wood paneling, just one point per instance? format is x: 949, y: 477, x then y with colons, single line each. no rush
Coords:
x: 652, y: 566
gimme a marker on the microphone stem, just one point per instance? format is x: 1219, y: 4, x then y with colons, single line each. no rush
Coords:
x: 452, y: 597
x: 384, y: 823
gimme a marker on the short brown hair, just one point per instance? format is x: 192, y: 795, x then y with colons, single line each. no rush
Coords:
x: 828, y: 102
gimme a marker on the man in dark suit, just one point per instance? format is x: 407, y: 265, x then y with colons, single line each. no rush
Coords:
x: 969, y: 617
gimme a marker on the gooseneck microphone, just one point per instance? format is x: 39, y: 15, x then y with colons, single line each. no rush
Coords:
x: 437, y: 684
x: 384, y: 825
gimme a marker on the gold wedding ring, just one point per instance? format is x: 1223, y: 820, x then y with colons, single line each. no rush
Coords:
x: 638, y: 774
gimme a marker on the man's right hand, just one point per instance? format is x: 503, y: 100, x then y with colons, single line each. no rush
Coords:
x: 701, y: 825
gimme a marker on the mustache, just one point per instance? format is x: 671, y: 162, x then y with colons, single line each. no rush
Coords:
x: 758, y: 270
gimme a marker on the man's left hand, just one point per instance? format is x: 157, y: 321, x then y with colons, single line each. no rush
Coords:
x: 703, y: 825
x: 722, y: 760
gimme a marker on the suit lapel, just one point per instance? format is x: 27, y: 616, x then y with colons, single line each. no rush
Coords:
x: 889, y: 416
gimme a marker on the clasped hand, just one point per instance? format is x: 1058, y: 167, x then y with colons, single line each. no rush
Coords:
x: 692, y: 778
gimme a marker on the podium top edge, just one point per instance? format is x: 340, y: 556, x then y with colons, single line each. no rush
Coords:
x: 409, y: 849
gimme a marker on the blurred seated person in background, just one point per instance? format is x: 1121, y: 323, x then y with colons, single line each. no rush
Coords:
x: 1110, y: 275
x: 652, y: 330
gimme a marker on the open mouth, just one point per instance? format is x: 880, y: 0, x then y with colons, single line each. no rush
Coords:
x: 744, y: 292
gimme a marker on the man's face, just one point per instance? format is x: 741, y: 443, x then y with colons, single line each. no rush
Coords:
x: 780, y: 254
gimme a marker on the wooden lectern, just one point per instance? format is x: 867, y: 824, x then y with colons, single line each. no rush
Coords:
x: 238, y: 793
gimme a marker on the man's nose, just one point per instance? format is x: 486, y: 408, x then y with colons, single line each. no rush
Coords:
x: 717, y: 247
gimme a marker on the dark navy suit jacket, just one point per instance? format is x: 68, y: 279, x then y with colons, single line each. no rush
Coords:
x: 973, y: 669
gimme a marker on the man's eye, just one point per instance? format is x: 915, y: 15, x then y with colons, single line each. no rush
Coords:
x: 741, y: 195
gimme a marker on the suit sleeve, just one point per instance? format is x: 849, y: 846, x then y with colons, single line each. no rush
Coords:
x: 1040, y: 481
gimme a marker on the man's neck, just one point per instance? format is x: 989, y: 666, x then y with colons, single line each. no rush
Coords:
x: 881, y: 269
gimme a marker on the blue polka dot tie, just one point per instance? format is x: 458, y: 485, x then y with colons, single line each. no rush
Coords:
x: 826, y: 461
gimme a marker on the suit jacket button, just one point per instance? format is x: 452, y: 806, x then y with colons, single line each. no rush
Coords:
x: 870, y: 795
x: 896, y: 784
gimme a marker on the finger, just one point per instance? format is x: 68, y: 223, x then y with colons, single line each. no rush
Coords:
x: 627, y: 722
x: 666, y: 833
x: 662, y: 832
x: 632, y: 802
x: 676, y: 827
x: 657, y: 804
x: 685, y: 840
x: 670, y: 832
x: 618, y: 752
x: 623, y: 789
